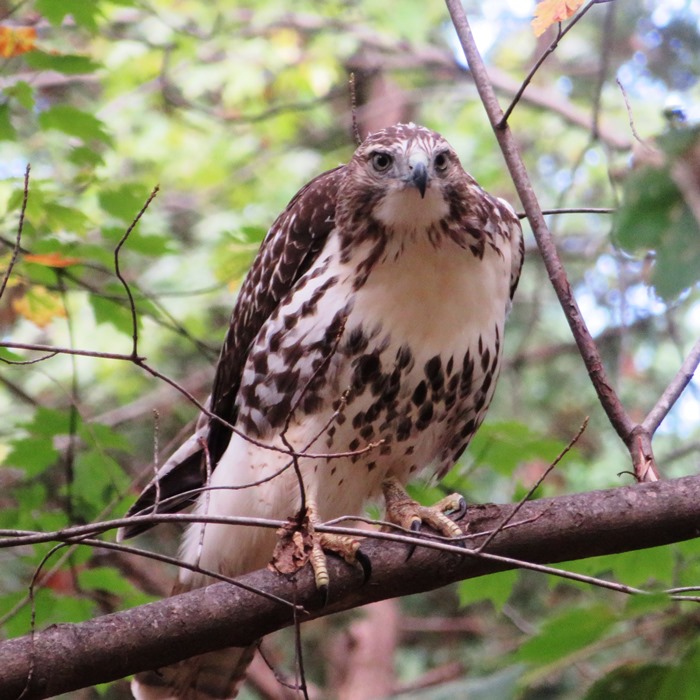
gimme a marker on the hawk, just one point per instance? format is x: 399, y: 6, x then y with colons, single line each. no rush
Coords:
x: 363, y: 348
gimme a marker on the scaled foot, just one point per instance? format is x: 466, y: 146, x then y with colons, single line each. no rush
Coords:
x: 299, y: 542
x: 402, y: 510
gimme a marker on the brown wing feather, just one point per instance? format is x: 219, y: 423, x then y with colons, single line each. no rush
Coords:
x: 292, y: 244
x: 290, y: 247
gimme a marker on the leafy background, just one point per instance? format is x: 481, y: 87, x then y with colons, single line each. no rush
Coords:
x: 230, y: 108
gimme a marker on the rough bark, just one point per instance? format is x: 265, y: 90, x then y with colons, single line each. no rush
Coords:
x: 69, y: 656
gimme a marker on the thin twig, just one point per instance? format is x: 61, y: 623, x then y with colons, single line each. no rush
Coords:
x: 20, y: 226
x: 673, y: 390
x: 535, y: 486
x: 353, y: 108
x: 561, y: 33
x: 572, y: 210
x: 630, y: 115
x: 609, y: 399
x: 298, y: 649
x: 35, y: 361
x: 69, y: 452
x: 55, y: 350
x: 117, y: 271
x: 141, y: 362
x: 606, y: 51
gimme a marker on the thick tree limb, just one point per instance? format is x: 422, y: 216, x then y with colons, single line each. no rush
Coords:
x: 69, y: 656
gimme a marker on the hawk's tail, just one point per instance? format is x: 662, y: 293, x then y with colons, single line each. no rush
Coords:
x: 217, y: 675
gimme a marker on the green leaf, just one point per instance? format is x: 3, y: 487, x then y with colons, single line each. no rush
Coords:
x: 96, y: 479
x: 32, y: 455
x: 68, y: 64
x: 678, y: 257
x: 630, y: 681
x: 62, y: 218
x: 48, y: 422
x: 124, y: 202
x: 642, y: 604
x: 682, y: 681
x: 649, y: 200
x: 74, y: 122
x: 84, y: 156
x: 7, y: 131
x: 495, y: 588
x: 108, y: 311
x: 505, y: 445
x: 564, y: 634
x: 635, y: 568
x: 639, y: 567
x: 11, y: 355
x: 84, y: 13
x: 104, y: 578
x: 104, y: 437
x: 23, y: 92
x: 655, y: 216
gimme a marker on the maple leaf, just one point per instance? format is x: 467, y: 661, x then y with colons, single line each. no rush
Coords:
x: 15, y: 41
x: 40, y: 306
x: 52, y: 260
x: 549, y: 12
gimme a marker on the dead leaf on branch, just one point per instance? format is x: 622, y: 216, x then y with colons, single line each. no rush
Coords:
x: 549, y: 12
x: 293, y: 547
x: 15, y: 41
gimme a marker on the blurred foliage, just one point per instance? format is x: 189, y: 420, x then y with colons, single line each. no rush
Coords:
x: 230, y: 108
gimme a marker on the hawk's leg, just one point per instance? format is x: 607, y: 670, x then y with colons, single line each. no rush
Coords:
x: 345, y: 546
x: 402, y: 510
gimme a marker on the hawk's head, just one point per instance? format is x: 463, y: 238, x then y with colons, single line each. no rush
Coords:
x: 405, y: 177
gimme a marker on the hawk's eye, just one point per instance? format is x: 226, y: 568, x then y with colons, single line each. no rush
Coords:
x: 441, y: 162
x: 381, y: 162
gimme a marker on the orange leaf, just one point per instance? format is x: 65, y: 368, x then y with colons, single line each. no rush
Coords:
x: 549, y: 12
x: 52, y: 260
x: 16, y: 40
x: 40, y: 306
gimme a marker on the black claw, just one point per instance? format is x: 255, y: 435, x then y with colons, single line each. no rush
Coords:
x: 461, y: 510
x: 365, y: 562
x: 415, y: 527
x: 323, y: 592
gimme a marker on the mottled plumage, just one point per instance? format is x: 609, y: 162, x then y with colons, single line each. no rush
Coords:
x: 373, y: 313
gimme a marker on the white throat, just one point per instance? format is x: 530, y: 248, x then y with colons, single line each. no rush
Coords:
x: 404, y: 209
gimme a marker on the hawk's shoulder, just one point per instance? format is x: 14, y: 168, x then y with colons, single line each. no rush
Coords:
x: 290, y: 247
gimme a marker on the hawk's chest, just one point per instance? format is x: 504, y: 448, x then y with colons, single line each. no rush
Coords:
x: 436, y: 298
x: 408, y: 357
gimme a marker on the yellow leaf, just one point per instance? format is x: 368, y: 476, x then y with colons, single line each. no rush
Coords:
x: 53, y: 260
x: 549, y: 12
x: 16, y: 40
x: 40, y: 306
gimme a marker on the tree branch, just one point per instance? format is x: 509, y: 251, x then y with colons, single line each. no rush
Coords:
x: 637, y: 440
x: 69, y: 656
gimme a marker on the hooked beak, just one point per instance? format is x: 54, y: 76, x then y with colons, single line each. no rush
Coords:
x: 419, y: 178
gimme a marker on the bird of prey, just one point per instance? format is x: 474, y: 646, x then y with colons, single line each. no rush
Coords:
x: 363, y: 349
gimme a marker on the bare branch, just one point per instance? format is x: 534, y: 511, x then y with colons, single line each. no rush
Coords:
x: 618, y: 416
x: 69, y: 656
x: 20, y: 226
x: 673, y: 390
x: 125, y: 284
x: 561, y: 33
x: 536, y: 485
